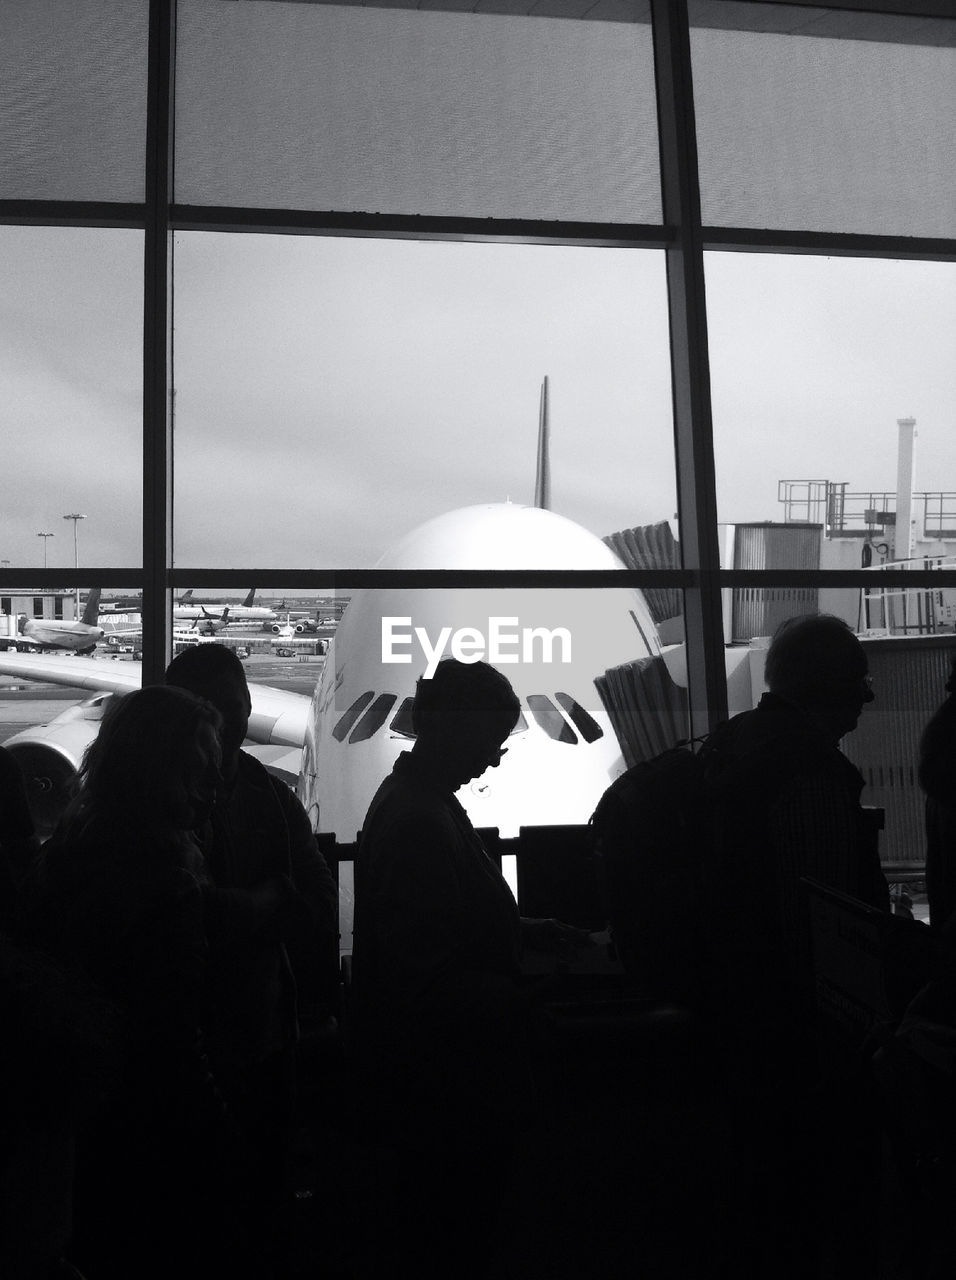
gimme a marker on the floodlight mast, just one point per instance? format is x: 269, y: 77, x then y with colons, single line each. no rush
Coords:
x: 76, y: 517
x: 45, y: 536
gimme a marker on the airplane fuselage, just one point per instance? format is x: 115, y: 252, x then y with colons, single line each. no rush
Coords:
x: 78, y: 636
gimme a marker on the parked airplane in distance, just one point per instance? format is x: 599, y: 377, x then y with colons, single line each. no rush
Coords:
x: 80, y: 636
x: 185, y: 610
x: 208, y: 625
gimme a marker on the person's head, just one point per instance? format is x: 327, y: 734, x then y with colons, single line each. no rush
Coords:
x: 462, y: 717
x: 154, y: 765
x: 215, y: 673
x: 817, y: 663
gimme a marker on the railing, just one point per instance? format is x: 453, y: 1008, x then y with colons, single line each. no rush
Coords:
x: 909, y: 610
x: 863, y: 514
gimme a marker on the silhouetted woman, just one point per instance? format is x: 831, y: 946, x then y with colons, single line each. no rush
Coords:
x: 937, y: 776
x: 120, y: 898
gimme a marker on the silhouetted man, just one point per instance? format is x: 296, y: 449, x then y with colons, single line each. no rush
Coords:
x: 272, y: 918
x: 786, y: 804
x: 438, y: 1008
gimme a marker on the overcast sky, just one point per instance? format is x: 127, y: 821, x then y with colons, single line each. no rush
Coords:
x: 333, y: 393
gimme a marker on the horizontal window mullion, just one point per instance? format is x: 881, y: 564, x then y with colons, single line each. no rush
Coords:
x: 427, y: 579
x: 72, y: 213
x: 51, y: 579
x: 863, y: 578
x: 418, y: 227
x: 836, y: 243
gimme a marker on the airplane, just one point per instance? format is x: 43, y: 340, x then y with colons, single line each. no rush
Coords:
x: 185, y: 610
x: 208, y: 625
x: 80, y: 636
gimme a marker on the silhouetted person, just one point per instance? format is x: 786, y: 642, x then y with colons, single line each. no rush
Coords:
x: 937, y: 776
x: 119, y: 898
x: 18, y: 842
x: 271, y: 920
x: 785, y: 804
x: 47, y: 1064
x: 438, y: 1015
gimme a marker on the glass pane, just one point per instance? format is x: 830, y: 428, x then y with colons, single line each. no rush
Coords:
x: 73, y: 99
x: 63, y: 656
x: 586, y: 665
x: 908, y: 682
x: 596, y: 691
x: 404, y: 111
x: 334, y: 394
x: 833, y: 392
x: 825, y: 121
x: 71, y: 397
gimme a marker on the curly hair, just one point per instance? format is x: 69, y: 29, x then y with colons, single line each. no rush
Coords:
x: 134, y: 767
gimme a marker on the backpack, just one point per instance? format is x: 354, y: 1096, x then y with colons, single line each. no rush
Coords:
x: 649, y: 836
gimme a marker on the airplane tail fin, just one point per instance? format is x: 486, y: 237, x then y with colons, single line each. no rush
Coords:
x: 186, y: 596
x: 542, y: 479
x: 250, y: 599
x: 91, y: 610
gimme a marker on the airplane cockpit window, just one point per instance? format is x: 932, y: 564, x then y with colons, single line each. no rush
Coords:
x: 402, y: 719
x: 374, y: 718
x: 345, y: 722
x: 550, y: 718
x: 583, y: 721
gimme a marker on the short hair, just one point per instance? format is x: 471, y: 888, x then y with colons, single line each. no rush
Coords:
x: 134, y: 765
x: 202, y: 666
x: 811, y: 659
x: 463, y: 687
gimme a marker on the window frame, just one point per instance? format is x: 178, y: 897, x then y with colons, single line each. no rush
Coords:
x: 682, y: 237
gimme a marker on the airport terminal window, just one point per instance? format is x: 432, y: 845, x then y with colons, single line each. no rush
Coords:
x: 73, y: 99
x: 346, y: 390
x: 71, y: 389
x: 301, y: 106
x: 814, y: 361
x: 825, y: 121
x: 331, y: 389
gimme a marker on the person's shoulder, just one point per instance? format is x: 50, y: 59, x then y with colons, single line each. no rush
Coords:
x: 403, y: 806
x: 770, y: 746
x: 256, y: 780
x: 252, y: 772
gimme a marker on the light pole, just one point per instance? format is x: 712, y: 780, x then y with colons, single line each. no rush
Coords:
x: 44, y: 536
x: 75, y: 516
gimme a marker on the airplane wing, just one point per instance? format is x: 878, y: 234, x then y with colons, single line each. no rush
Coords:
x: 278, y: 715
x: 101, y: 675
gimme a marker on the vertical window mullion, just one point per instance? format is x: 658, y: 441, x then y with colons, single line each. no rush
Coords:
x: 690, y: 372
x: 157, y: 427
